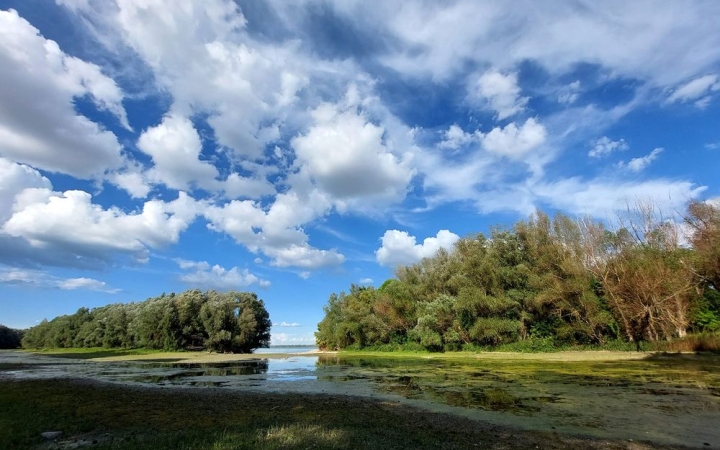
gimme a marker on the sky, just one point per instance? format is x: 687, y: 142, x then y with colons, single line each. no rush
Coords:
x: 295, y: 148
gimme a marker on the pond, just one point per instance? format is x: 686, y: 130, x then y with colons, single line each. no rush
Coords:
x: 671, y: 399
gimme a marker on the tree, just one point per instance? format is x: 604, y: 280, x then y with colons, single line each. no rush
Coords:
x: 10, y: 338
x: 231, y: 322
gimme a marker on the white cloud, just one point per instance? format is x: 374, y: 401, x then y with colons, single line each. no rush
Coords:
x: 344, y: 153
x: 277, y: 233
x: 304, y: 256
x: 366, y: 281
x: 455, y: 138
x: 70, y: 224
x: 638, y: 164
x: 202, y: 275
x: 175, y: 148
x: 15, y: 179
x: 695, y: 89
x: 237, y: 186
x: 570, y: 93
x: 203, y: 56
x: 71, y: 284
x: 399, y: 248
x: 604, y: 146
x: 286, y: 324
x: 662, y: 43
x: 132, y: 179
x: 515, y: 142
x: 292, y: 339
x: 38, y: 122
x: 501, y: 92
x: 601, y: 197
x: 43, y: 280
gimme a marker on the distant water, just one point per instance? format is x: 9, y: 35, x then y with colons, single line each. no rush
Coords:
x: 280, y: 349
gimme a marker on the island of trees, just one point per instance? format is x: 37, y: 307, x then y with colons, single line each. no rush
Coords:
x: 545, y: 283
x: 224, y: 322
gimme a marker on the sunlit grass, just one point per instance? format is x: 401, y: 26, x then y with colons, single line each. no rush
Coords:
x: 95, y: 352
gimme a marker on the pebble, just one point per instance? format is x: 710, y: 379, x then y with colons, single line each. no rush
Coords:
x: 49, y: 435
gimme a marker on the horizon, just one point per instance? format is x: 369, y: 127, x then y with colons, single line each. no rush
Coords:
x: 294, y: 150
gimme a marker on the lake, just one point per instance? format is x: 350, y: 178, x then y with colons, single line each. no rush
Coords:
x: 671, y: 399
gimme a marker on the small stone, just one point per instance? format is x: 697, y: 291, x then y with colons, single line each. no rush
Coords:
x: 50, y: 435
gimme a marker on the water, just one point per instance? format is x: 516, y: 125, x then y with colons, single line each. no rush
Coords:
x: 671, y: 400
x: 281, y: 349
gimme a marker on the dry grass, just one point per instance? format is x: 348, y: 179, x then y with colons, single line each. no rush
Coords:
x: 693, y: 343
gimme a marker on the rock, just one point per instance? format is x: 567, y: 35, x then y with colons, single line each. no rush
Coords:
x: 50, y: 435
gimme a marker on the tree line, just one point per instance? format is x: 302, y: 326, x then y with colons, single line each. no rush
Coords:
x: 559, y: 281
x: 225, y: 322
x: 10, y: 338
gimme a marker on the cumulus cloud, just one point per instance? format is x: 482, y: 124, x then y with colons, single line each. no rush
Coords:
x: 70, y: 224
x: 201, y: 274
x: 38, y: 122
x: 501, y: 92
x: 639, y: 164
x: 399, y: 248
x: 515, y: 142
x: 15, y: 179
x: 455, y: 137
x: 276, y: 233
x: 605, y: 146
x: 204, y: 57
x: 132, y: 179
x: 287, y: 324
x: 344, y: 153
x: 175, y: 147
x: 366, y: 281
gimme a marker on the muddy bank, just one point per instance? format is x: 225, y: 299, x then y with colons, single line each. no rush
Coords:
x: 134, y: 416
x: 664, y: 399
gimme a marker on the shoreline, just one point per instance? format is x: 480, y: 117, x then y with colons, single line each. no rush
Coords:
x: 209, y: 357
x: 406, y: 418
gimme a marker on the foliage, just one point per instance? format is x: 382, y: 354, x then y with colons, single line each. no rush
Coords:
x: 544, y: 285
x: 224, y: 322
x: 10, y: 338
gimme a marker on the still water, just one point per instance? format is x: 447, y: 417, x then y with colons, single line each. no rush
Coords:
x: 666, y: 399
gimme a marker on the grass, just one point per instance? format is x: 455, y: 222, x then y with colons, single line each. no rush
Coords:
x: 706, y: 342
x: 117, y: 417
x: 95, y: 352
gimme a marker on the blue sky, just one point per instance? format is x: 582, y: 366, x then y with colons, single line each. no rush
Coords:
x: 294, y: 148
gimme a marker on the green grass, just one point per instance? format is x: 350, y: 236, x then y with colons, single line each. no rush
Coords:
x: 92, y: 353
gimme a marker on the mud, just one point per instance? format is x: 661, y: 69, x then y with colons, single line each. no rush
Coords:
x: 667, y: 399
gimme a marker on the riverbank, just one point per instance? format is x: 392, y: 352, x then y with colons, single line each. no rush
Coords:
x: 666, y: 399
x: 110, y: 416
x: 202, y: 357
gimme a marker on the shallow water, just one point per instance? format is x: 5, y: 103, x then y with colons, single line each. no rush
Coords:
x: 665, y: 399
